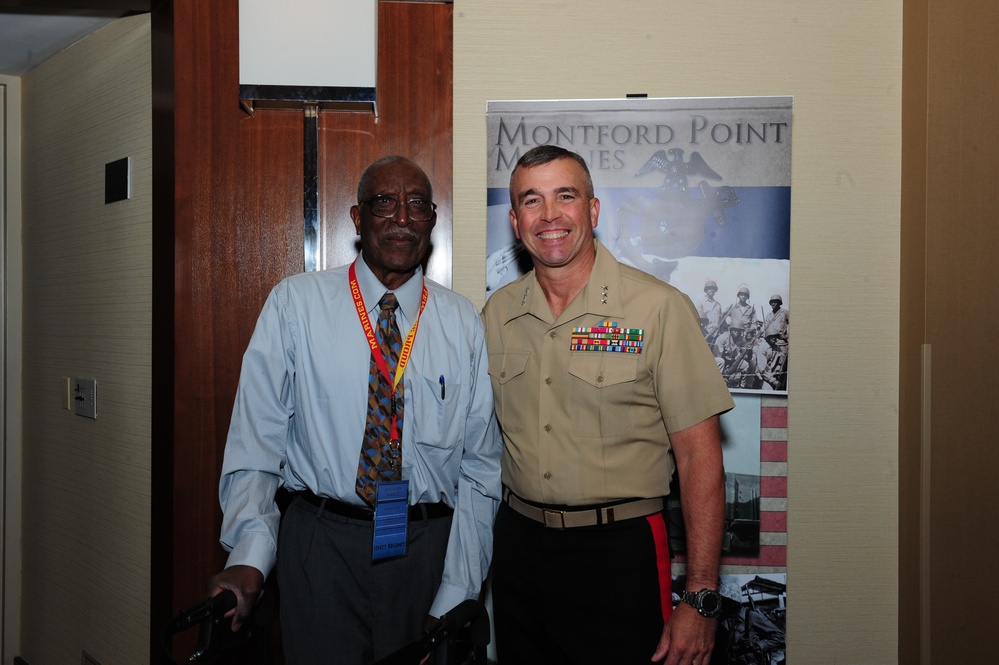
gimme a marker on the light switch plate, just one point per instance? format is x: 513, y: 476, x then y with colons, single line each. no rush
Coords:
x: 85, y: 397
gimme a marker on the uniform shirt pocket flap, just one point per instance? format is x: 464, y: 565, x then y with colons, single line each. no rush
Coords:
x: 505, y: 366
x: 602, y: 370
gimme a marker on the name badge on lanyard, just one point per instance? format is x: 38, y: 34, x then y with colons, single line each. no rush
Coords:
x: 391, y: 519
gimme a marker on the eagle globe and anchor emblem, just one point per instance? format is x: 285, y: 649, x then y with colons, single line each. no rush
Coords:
x: 653, y: 232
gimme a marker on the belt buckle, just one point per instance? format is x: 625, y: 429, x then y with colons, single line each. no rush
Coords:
x: 554, y: 519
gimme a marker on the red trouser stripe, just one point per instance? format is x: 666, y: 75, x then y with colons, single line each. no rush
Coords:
x: 658, y: 525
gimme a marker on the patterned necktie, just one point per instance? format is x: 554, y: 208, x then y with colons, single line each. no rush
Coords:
x: 378, y: 461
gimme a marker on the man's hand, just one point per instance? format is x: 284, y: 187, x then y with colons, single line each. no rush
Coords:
x: 429, y: 623
x: 688, y: 638
x: 248, y: 585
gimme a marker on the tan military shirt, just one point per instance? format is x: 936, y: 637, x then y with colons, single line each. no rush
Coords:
x: 582, y: 427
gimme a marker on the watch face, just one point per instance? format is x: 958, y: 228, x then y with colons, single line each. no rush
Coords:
x: 710, y: 604
x: 707, y: 603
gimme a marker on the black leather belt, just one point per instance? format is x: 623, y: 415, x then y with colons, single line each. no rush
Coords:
x: 568, y: 518
x: 421, y: 511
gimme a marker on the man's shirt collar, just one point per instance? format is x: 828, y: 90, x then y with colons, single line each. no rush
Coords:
x: 372, y: 290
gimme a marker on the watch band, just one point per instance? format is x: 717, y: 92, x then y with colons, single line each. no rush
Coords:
x: 711, y: 604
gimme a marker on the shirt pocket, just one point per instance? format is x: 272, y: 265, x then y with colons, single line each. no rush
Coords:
x: 604, y: 392
x: 437, y: 418
x: 508, y: 372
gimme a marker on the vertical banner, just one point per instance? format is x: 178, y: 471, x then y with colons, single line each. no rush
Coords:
x: 696, y: 192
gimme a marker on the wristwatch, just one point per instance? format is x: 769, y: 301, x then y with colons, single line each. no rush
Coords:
x: 708, y: 603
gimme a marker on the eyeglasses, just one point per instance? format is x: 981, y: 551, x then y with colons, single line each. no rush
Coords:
x: 386, y: 206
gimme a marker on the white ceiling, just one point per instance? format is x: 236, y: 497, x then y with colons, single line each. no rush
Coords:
x: 27, y: 40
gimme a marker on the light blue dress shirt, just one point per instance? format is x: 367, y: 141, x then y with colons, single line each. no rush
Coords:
x: 299, y: 417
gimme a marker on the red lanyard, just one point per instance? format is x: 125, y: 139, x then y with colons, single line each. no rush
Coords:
x: 376, y: 351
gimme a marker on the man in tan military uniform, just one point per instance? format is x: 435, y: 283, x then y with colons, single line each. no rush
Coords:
x: 602, y: 379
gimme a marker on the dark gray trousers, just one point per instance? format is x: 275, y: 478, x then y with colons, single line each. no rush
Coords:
x: 340, y: 608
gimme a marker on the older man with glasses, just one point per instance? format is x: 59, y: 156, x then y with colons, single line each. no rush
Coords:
x: 364, y: 393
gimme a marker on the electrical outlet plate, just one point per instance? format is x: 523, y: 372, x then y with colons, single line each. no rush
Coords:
x: 85, y: 397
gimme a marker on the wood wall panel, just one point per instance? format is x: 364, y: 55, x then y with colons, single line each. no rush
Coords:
x: 238, y: 196
x: 230, y: 209
x: 962, y: 239
x: 949, y: 242
x: 414, y: 120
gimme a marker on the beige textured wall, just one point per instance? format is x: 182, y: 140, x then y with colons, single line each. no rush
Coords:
x: 87, y: 309
x: 841, y: 61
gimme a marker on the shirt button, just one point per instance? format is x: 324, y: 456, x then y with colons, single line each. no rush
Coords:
x: 502, y: 375
x: 548, y: 380
x: 552, y: 334
x: 548, y: 428
x: 548, y: 475
x: 600, y: 379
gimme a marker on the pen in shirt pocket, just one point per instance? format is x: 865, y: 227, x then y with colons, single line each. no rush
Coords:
x: 442, y: 386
